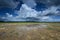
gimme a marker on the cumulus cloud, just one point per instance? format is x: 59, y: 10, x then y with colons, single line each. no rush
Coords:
x: 23, y: 13
x: 11, y: 17
x: 28, y: 14
x: 26, y: 11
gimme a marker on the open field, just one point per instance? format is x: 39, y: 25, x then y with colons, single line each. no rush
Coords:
x: 29, y: 31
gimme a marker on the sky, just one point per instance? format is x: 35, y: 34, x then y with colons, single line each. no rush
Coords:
x: 30, y: 10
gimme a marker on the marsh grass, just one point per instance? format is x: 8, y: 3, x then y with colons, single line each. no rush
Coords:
x: 51, y: 32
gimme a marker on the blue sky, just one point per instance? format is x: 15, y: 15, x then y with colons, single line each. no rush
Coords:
x: 30, y: 10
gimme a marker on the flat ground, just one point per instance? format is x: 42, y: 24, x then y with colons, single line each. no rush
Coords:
x: 29, y: 31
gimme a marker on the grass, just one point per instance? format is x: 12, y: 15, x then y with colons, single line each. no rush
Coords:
x: 51, y: 32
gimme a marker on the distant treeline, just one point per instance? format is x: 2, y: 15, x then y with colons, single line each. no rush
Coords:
x: 25, y: 22
x: 18, y: 22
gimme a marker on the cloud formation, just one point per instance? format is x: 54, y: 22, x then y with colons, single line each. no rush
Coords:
x: 28, y: 14
x: 51, y: 11
x: 8, y: 4
x: 31, y: 3
x: 49, y: 2
x: 14, y: 3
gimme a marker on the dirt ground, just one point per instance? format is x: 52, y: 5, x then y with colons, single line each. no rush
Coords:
x: 29, y: 31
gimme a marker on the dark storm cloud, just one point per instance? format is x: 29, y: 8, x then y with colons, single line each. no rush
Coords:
x: 30, y: 3
x: 49, y: 2
x: 8, y: 4
x: 14, y: 3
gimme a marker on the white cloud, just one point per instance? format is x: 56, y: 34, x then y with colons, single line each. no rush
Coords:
x: 50, y: 10
x: 9, y: 15
x: 47, y: 18
x: 27, y: 11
